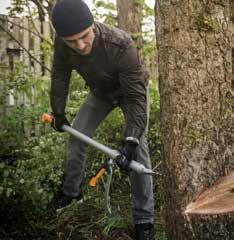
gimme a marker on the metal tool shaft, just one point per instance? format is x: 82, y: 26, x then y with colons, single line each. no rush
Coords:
x: 135, y: 166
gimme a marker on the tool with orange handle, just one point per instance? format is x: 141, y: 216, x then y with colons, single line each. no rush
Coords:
x: 112, y: 153
x: 135, y: 166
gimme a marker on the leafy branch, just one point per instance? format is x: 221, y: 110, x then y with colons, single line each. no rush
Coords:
x: 41, y: 36
x: 25, y: 49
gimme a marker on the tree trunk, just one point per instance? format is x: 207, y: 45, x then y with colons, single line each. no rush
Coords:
x: 130, y: 19
x: 194, y: 52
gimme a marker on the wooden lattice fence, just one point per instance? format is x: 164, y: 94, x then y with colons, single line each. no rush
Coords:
x: 21, y: 42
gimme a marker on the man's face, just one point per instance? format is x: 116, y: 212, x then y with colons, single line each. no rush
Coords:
x: 81, y: 42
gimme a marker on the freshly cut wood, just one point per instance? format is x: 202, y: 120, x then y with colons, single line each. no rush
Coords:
x: 219, y: 199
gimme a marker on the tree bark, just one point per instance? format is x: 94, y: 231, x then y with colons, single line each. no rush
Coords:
x: 130, y: 19
x: 194, y: 57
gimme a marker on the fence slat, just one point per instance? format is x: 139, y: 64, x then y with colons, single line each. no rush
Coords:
x: 37, y: 48
x: 47, y: 35
x: 3, y: 66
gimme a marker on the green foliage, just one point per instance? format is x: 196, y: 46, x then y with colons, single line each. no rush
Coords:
x: 147, y: 11
x: 17, y: 7
x: 21, y: 83
x: 154, y: 133
x: 21, y: 118
x: 46, y: 47
x: 207, y: 23
x: 19, y: 80
x: 78, y: 91
x: 149, y: 48
x: 106, y: 5
x: 13, y: 128
x: 105, y: 11
x: 35, y: 177
x: 108, y: 223
x: 25, y: 177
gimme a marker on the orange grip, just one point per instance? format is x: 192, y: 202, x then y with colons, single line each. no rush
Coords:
x: 46, y: 118
x: 93, y: 181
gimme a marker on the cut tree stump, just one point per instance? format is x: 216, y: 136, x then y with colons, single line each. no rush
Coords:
x: 219, y: 199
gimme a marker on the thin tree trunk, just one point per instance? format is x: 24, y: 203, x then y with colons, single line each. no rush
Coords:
x: 130, y: 19
x: 194, y: 51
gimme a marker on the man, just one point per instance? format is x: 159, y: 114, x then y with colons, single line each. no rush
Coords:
x: 107, y: 59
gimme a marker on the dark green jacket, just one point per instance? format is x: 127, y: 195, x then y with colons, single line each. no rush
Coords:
x: 112, y: 71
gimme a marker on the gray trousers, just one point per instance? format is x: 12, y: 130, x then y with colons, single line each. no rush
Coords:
x: 90, y: 115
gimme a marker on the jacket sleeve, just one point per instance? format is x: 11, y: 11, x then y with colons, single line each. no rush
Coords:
x: 133, y: 83
x: 60, y: 77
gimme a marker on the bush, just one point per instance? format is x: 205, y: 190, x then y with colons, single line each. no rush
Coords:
x: 35, y: 178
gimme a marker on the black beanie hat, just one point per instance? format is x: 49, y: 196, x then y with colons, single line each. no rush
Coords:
x: 70, y: 17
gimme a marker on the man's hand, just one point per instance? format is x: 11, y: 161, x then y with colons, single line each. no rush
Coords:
x: 58, y: 121
x: 128, y: 153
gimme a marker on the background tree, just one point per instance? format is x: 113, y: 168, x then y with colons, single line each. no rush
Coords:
x: 194, y: 53
x: 130, y: 20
